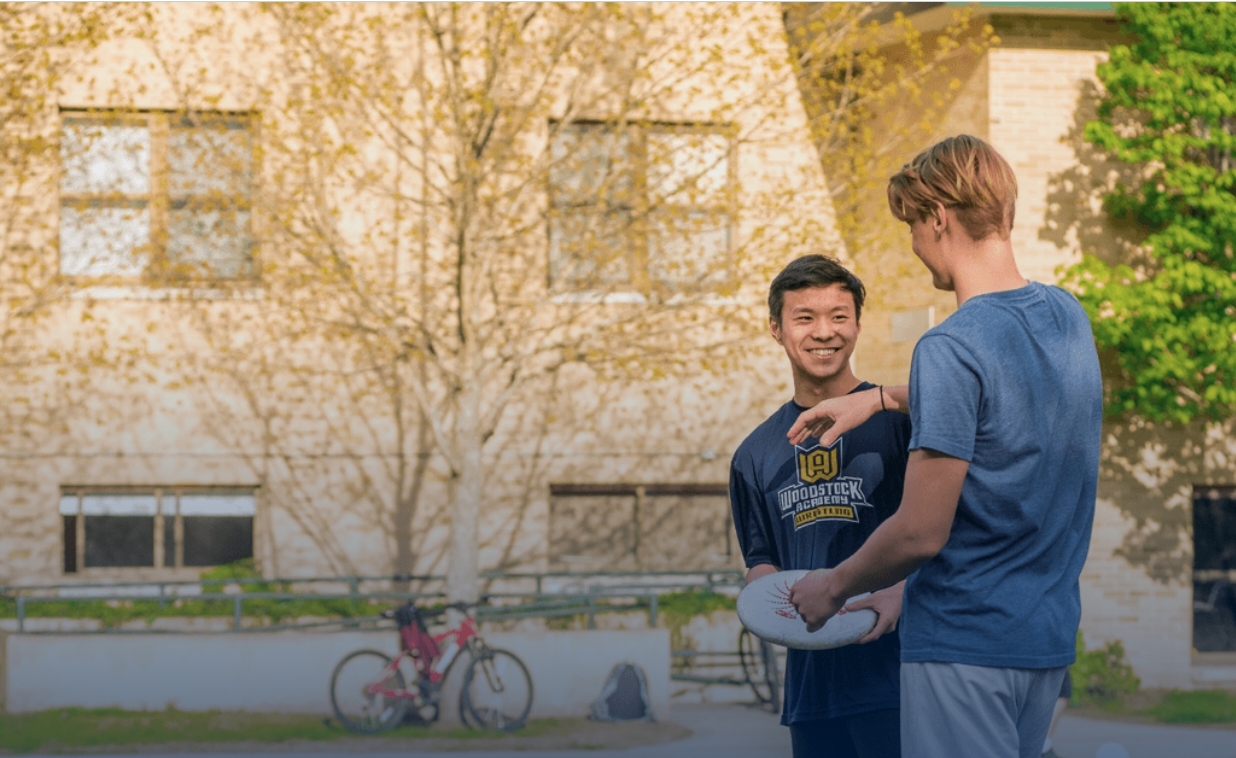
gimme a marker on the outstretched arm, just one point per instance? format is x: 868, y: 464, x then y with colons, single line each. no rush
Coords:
x: 834, y: 417
x: 909, y: 538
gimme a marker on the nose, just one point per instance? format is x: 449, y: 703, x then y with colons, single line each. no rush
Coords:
x: 823, y: 329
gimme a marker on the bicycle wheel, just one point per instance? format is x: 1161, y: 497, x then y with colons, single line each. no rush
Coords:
x: 754, y: 655
x: 497, y: 690
x: 363, y: 691
x: 772, y: 675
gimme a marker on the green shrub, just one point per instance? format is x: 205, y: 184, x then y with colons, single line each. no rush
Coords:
x: 676, y: 610
x: 1102, y: 676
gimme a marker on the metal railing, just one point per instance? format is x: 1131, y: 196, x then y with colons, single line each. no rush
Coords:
x: 550, y: 595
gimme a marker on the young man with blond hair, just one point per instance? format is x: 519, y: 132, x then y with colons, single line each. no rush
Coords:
x: 1005, y: 399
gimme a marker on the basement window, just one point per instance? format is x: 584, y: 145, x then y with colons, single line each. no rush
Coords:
x: 1214, y: 569
x: 645, y: 527
x: 155, y: 527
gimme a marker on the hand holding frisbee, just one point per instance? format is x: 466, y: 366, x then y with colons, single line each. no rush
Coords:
x: 764, y: 607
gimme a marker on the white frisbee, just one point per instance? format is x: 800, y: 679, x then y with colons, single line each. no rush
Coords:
x: 764, y: 607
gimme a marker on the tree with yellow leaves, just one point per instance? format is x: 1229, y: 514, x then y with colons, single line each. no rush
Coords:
x: 448, y: 223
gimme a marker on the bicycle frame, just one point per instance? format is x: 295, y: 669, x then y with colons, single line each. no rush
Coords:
x: 450, y: 642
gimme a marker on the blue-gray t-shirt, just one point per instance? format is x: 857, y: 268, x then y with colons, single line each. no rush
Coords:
x: 1010, y: 383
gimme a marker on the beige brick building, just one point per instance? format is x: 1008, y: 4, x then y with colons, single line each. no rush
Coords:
x: 619, y: 474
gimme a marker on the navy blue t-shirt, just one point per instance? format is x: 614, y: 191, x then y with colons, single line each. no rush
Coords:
x: 806, y: 507
x: 1009, y: 382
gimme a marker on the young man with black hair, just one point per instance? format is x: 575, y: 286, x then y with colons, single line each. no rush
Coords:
x: 810, y: 506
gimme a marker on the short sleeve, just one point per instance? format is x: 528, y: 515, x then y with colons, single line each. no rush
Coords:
x: 750, y: 520
x: 945, y: 397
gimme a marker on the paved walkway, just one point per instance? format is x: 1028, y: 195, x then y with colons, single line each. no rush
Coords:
x: 1078, y: 737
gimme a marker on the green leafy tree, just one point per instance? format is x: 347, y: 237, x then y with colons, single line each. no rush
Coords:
x: 1168, y: 318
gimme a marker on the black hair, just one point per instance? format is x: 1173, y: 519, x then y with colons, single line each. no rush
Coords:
x: 813, y: 271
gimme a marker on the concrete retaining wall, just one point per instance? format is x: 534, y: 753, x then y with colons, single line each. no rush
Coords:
x: 290, y: 672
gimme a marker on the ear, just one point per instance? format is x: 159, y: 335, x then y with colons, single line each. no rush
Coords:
x: 939, y: 219
x: 775, y: 330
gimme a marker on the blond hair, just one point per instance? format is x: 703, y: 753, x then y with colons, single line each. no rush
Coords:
x: 964, y: 174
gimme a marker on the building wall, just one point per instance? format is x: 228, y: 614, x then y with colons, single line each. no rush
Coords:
x: 325, y: 505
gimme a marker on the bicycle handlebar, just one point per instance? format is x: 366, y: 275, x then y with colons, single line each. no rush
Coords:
x: 462, y: 607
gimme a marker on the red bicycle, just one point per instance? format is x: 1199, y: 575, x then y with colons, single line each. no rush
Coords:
x: 372, y: 692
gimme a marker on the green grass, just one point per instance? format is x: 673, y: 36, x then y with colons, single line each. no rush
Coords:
x: 1196, y: 707
x: 77, y: 728
x: 74, y: 728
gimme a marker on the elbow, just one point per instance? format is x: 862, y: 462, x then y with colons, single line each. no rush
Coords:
x: 924, y: 545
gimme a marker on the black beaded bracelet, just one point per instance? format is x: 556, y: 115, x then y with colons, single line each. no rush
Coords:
x: 880, y: 387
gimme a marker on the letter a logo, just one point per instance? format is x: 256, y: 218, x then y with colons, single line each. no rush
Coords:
x: 819, y: 463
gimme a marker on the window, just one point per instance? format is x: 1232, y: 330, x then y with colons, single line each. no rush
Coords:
x: 1214, y: 569
x: 639, y: 208
x: 655, y: 527
x: 155, y: 527
x: 156, y: 196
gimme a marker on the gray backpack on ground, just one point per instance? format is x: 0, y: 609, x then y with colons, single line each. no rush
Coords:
x: 624, y: 696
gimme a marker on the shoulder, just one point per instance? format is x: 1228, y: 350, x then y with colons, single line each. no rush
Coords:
x: 772, y: 430
x: 1066, y: 301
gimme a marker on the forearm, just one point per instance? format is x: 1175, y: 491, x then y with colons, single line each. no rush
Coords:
x: 763, y: 569
x: 896, y: 398
x: 888, y: 556
x: 835, y: 416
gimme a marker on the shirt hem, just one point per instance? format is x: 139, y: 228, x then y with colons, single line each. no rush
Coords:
x: 990, y: 661
x: 950, y: 448
x: 803, y: 717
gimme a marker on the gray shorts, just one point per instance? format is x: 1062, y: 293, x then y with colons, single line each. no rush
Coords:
x: 951, y: 709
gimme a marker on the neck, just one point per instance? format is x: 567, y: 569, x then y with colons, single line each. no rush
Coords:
x: 809, y: 392
x: 986, y: 265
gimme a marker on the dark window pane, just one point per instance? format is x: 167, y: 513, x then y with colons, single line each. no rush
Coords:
x: 592, y: 533
x: 592, y: 163
x: 685, y: 533
x: 169, y: 541
x: 70, y: 544
x: 589, y: 248
x: 210, y: 242
x: 1214, y: 529
x: 1214, y: 563
x: 119, y: 541
x: 211, y: 159
x: 215, y: 540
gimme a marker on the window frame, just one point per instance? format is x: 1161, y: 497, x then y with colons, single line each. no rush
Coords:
x: 158, y: 270
x: 638, y: 235
x: 160, y: 562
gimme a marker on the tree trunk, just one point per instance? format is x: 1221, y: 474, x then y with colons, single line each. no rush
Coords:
x: 463, y: 573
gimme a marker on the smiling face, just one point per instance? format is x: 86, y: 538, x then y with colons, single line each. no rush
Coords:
x: 818, y: 330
